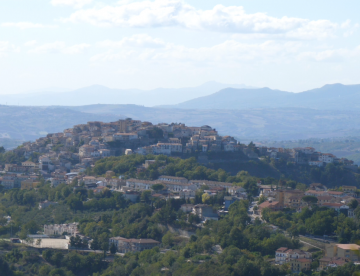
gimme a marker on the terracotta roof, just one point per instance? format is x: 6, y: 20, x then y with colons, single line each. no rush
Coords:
x: 267, y: 204
x: 325, y: 197
x: 304, y: 260
x: 282, y: 249
x: 315, y: 192
x: 348, y: 246
x: 335, y: 193
x: 330, y: 204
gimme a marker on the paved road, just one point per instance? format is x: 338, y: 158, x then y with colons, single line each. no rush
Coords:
x: 251, y: 211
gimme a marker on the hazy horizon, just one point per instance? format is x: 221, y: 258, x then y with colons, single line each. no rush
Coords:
x: 140, y: 44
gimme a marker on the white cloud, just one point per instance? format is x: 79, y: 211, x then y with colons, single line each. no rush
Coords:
x: 6, y: 47
x: 230, y: 51
x: 232, y: 19
x: 139, y: 40
x: 74, y: 3
x: 25, y: 25
x: 227, y: 53
x: 59, y: 47
x: 330, y: 55
x: 75, y: 49
x: 30, y: 43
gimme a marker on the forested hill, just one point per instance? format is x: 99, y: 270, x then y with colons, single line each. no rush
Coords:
x: 332, y: 96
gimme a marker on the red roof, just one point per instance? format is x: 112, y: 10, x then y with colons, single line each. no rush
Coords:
x: 335, y: 193
x: 268, y: 204
x: 315, y: 192
x: 330, y: 204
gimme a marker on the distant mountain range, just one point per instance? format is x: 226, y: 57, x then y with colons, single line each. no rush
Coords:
x: 332, y: 96
x: 211, y: 95
x: 330, y: 111
x: 98, y: 94
x: 261, y: 123
x: 29, y: 123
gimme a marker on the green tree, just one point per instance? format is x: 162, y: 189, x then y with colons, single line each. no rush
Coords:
x: 145, y: 196
x: 168, y: 239
x: 310, y: 199
x: 262, y: 199
x: 95, y: 244
x: 157, y: 187
x: 113, y: 249
x: 353, y: 204
x: 205, y: 198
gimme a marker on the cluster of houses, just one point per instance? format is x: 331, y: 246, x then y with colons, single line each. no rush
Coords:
x: 335, y: 255
x: 77, y: 148
x: 69, y: 230
x: 299, y: 260
x: 279, y: 199
x: 306, y: 155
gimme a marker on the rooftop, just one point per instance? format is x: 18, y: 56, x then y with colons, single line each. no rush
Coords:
x: 348, y: 246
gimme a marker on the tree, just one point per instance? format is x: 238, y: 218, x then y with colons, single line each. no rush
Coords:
x: 105, y: 247
x: 262, y: 199
x: 353, y: 204
x: 310, y: 199
x: 205, y: 198
x: 193, y: 218
x: 77, y: 242
x: 145, y: 196
x: 112, y: 248
x: 4, y: 268
x: 157, y: 187
x: 57, y: 259
x: 74, y: 203
x: 38, y: 242
x: 95, y: 244
x: 47, y: 255
x: 168, y: 239
x: 29, y: 228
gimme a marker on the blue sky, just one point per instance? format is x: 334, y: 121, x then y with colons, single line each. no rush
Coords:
x: 289, y: 45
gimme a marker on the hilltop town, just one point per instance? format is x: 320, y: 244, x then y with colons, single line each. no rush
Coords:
x: 60, y: 156
x: 133, y: 166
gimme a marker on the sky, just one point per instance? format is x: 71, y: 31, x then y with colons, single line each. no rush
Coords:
x: 68, y: 44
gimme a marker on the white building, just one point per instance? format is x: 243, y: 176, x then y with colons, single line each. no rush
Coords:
x: 59, y: 229
x: 172, y: 147
x: 173, y: 179
x: 139, y: 184
x: 125, y: 136
x: 326, y: 158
